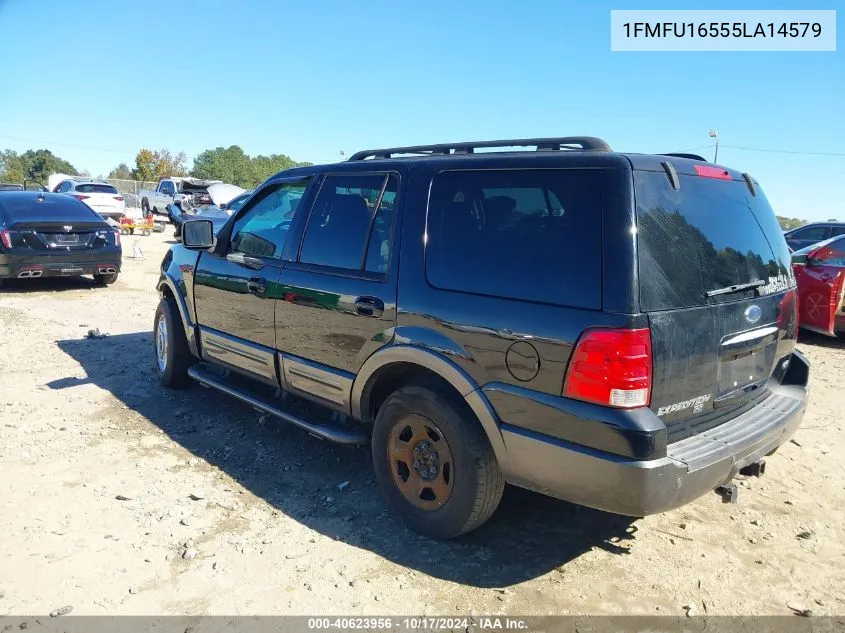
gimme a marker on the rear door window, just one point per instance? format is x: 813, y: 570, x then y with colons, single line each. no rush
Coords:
x: 345, y: 224
x: 708, y: 235
x: 531, y: 235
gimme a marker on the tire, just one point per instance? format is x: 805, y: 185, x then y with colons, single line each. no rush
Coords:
x: 131, y: 231
x: 172, y: 371
x: 467, y: 493
x: 145, y: 206
x: 106, y: 280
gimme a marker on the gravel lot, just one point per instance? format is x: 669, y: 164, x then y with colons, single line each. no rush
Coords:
x: 120, y: 497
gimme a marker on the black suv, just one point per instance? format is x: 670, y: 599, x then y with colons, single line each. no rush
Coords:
x: 617, y: 330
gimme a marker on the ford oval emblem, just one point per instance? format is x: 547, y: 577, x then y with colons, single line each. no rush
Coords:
x: 753, y: 313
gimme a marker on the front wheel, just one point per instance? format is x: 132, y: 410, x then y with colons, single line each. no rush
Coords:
x: 434, y: 463
x: 105, y: 280
x: 172, y: 356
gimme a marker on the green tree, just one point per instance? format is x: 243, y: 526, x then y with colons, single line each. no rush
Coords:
x: 231, y: 164
x: 11, y: 167
x: 153, y: 165
x: 121, y: 172
x: 33, y: 165
x: 790, y: 223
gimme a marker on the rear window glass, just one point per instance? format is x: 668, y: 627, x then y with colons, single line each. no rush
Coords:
x: 96, y: 189
x: 708, y: 235
x: 521, y: 234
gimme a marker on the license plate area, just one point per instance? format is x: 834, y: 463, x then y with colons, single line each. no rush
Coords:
x: 66, y: 239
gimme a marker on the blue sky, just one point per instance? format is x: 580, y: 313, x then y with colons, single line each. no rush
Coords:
x: 309, y: 79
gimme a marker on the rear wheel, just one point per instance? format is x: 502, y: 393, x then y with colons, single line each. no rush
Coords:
x: 433, y: 462
x: 172, y: 356
x: 105, y: 280
x: 145, y: 206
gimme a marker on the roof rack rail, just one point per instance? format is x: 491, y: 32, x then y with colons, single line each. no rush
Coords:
x: 681, y: 155
x: 582, y: 143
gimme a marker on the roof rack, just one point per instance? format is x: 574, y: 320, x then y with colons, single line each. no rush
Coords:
x: 681, y: 155
x: 567, y: 143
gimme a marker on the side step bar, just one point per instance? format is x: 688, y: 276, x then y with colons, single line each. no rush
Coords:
x: 213, y: 380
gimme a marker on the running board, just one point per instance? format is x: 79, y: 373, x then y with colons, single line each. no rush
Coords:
x: 210, y: 378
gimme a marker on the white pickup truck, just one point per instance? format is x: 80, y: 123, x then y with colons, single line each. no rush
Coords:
x: 189, y: 192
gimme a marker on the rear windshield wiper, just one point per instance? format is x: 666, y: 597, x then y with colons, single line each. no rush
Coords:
x: 737, y: 288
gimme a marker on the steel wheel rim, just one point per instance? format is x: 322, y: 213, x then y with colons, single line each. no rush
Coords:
x: 421, y: 462
x: 161, y: 344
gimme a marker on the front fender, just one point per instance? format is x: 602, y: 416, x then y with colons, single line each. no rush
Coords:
x: 177, y: 276
x: 443, y: 367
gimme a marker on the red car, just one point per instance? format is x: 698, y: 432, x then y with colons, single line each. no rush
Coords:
x: 820, y: 273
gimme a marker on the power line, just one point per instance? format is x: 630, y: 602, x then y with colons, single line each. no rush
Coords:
x: 783, y: 151
x: 692, y: 149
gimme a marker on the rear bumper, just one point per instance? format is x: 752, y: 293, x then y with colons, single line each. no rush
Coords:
x: 691, y: 468
x: 60, y: 265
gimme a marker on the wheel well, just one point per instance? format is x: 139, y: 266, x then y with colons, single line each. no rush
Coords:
x: 167, y: 292
x: 396, y: 375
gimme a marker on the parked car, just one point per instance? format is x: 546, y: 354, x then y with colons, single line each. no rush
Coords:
x: 190, y: 192
x: 617, y: 330
x: 814, y: 233
x: 820, y: 273
x: 102, y: 197
x: 52, y: 235
x: 221, y: 196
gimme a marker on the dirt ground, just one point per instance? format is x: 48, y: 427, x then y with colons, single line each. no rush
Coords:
x: 120, y: 497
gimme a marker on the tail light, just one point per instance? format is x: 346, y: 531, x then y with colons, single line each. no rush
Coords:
x: 119, y: 198
x: 706, y: 171
x: 611, y: 367
x: 117, y: 238
x: 6, y: 238
x: 79, y: 196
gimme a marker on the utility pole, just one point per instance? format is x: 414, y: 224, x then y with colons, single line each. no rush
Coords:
x: 714, y: 134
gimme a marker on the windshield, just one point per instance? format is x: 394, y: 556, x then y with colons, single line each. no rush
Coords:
x: 813, y: 247
x: 238, y: 202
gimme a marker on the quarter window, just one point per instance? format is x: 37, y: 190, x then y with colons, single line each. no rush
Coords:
x: 352, y: 214
x: 522, y: 234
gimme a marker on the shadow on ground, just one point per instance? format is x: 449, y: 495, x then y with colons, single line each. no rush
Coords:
x: 47, y: 284
x: 529, y: 535
x: 806, y: 337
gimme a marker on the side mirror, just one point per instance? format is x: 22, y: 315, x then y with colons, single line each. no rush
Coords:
x: 198, y: 234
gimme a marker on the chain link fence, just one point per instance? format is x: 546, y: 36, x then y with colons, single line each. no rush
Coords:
x: 131, y: 189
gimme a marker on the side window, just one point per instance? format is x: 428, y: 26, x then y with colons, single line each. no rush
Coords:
x: 837, y: 230
x: 518, y: 234
x: 345, y: 223
x: 262, y: 230
x: 167, y: 188
x: 815, y: 233
x: 63, y: 187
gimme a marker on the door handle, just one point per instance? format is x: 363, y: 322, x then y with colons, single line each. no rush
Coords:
x: 369, y: 306
x: 256, y: 286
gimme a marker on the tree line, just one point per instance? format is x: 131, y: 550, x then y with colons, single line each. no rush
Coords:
x: 229, y: 164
